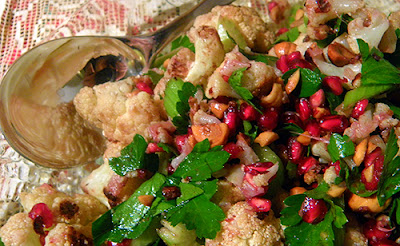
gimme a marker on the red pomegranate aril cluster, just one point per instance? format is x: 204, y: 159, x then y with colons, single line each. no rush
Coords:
x: 334, y: 83
x: 247, y: 112
x: 291, y: 61
x: 370, y: 178
x: 312, y: 210
x: 290, y: 117
x: 153, y: 148
x: 306, y: 164
x: 282, y: 31
x: 268, y: 120
x: 260, y: 205
x: 295, y: 150
x: 258, y: 168
x: 359, y: 109
x: 143, y: 86
x: 303, y: 109
x: 313, y: 128
x: 233, y: 149
x: 334, y: 123
x: 376, y: 232
x: 232, y: 118
x: 42, y: 211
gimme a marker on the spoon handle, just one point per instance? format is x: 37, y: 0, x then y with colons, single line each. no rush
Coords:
x: 151, y: 44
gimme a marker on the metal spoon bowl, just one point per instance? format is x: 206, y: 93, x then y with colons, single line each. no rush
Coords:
x: 36, y: 113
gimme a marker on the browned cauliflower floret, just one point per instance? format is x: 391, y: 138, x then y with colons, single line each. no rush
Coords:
x: 258, y: 78
x: 227, y: 195
x: 209, y: 54
x: 79, y: 209
x: 243, y: 227
x: 19, y: 231
x: 118, y: 110
x: 178, y: 67
x: 66, y: 235
x: 248, y: 22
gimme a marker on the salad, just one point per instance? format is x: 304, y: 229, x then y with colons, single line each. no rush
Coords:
x: 243, y: 133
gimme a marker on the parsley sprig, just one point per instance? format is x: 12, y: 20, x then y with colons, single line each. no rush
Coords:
x: 131, y: 218
x: 329, y: 231
x: 176, y: 102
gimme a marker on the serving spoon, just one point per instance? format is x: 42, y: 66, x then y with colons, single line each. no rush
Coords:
x: 36, y: 114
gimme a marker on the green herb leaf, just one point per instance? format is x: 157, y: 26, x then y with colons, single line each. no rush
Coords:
x: 269, y: 60
x: 154, y: 76
x: 182, y: 41
x: 235, y: 81
x: 250, y: 129
x: 364, y: 92
x: 289, y: 36
x: 340, y: 147
x: 326, y: 232
x: 333, y: 101
x: 311, y: 81
x: 193, y: 215
x: 292, y: 128
x: 134, y: 157
x: 389, y: 182
x: 202, y: 162
x: 176, y: 102
x: 188, y: 192
x: 129, y: 219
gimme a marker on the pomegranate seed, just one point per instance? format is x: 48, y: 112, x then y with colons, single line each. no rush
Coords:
x: 283, y: 64
x: 303, y: 109
x: 170, y: 169
x: 272, y: 5
x: 296, y: 150
x: 294, y: 56
x: 142, y: 86
x: 369, y: 177
x: 171, y: 192
x: 384, y: 242
x: 306, y: 165
x: 313, y: 128
x: 292, y: 117
x: 334, y: 123
x: 295, y: 63
x: 232, y: 118
x: 247, y: 112
x: 317, y: 99
x: 336, y: 164
x: 374, y: 233
x: 260, y: 204
x: 282, y: 31
x: 153, y: 148
x: 181, y: 140
x: 42, y: 211
x: 125, y: 242
x: 222, y: 99
x: 359, y: 109
x: 225, y: 77
x: 258, y: 168
x: 268, y: 120
x: 313, y: 210
x: 233, y: 149
x: 334, y: 83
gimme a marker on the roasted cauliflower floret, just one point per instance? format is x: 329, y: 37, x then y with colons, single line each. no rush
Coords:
x: 178, y: 67
x: 258, y: 78
x: 79, y: 209
x: 247, y: 21
x: 209, y: 54
x: 119, y: 110
x: 243, y: 227
x: 66, y: 235
x: 19, y: 231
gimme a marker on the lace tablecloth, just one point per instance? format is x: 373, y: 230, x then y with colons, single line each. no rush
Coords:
x: 27, y: 23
